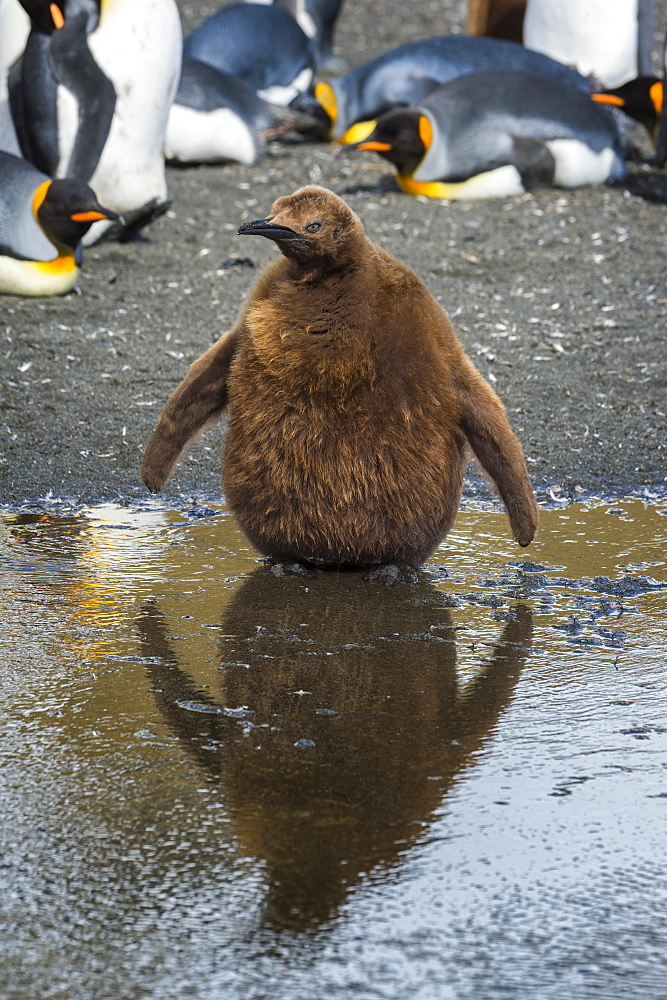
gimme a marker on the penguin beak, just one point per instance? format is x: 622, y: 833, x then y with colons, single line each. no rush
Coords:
x: 94, y: 216
x: 360, y: 136
x: 357, y: 133
x: 264, y: 227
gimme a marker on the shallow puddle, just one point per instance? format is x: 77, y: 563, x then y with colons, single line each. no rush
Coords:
x: 223, y: 785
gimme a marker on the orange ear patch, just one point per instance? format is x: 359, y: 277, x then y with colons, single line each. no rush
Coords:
x: 39, y: 196
x: 425, y: 131
x: 657, y: 95
x: 326, y: 98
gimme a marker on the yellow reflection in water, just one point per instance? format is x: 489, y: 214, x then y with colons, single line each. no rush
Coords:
x: 104, y: 562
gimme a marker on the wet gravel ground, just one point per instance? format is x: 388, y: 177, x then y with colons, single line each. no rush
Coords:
x: 559, y: 297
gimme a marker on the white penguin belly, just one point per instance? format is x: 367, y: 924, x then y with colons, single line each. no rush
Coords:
x: 208, y: 136
x: 68, y: 123
x: 499, y: 183
x: 577, y: 164
x: 29, y: 277
x: 138, y: 47
x: 599, y: 36
x: 304, y: 19
x: 283, y: 95
x: 14, y: 30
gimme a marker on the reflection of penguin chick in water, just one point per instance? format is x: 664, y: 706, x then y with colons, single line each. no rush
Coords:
x: 350, y: 402
x: 335, y: 734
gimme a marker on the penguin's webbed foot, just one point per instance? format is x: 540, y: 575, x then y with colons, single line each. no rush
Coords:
x: 290, y: 567
x: 389, y: 574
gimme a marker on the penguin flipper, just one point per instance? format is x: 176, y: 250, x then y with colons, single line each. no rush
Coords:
x: 33, y: 91
x: 485, y: 425
x: 17, y: 107
x: 650, y: 186
x: 534, y: 161
x: 78, y: 72
x: 130, y: 224
x: 197, y: 402
x: 133, y: 222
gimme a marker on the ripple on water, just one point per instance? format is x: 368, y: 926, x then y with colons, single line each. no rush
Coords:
x: 449, y: 790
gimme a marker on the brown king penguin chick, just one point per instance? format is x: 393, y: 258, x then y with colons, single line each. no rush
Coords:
x: 350, y: 403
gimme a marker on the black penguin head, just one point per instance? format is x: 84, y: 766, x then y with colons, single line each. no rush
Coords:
x: 49, y: 15
x: 402, y: 137
x: 66, y: 209
x: 45, y: 15
x: 316, y: 121
x: 641, y: 99
x: 314, y: 227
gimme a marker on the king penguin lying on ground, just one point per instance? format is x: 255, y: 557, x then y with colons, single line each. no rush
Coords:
x: 42, y: 224
x: 496, y: 134
x: 350, y: 403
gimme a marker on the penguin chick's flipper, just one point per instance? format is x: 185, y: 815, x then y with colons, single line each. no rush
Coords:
x: 198, y: 401
x: 497, y: 448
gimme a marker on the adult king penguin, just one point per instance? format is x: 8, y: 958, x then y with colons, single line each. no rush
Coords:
x: 317, y: 18
x: 496, y: 134
x: 350, y: 404
x: 609, y: 39
x: 42, y: 223
x: 643, y: 98
x: 404, y: 76
x: 262, y: 44
x: 217, y: 117
x: 92, y: 96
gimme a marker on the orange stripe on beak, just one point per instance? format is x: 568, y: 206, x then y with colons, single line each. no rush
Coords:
x: 87, y: 216
x: 39, y: 196
x: 378, y: 147
x: 56, y: 15
x: 618, y: 102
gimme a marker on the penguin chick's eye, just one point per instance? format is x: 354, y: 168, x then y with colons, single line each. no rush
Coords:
x: 313, y: 227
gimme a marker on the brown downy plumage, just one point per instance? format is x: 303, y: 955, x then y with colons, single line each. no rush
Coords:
x: 350, y: 402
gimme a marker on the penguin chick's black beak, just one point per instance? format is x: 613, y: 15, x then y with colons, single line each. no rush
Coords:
x: 264, y: 227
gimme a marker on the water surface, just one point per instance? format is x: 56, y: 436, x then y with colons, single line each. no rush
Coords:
x: 219, y: 784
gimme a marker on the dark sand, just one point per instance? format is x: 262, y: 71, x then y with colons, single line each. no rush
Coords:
x: 559, y: 298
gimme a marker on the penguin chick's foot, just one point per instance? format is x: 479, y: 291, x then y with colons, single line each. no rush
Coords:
x: 390, y: 574
x: 290, y: 567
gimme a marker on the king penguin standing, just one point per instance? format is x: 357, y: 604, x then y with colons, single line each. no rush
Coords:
x: 112, y: 68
